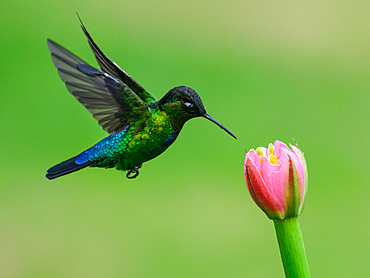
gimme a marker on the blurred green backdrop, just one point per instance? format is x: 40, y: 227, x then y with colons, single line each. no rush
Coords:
x: 265, y: 70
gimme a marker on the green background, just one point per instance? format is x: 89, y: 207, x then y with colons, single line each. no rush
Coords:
x: 266, y: 70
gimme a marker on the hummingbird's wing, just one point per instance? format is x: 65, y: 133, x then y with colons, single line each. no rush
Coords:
x: 110, y: 67
x: 108, y: 99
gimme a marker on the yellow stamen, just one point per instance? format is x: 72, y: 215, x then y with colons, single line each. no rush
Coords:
x: 273, y: 159
x: 271, y: 148
x: 259, y: 151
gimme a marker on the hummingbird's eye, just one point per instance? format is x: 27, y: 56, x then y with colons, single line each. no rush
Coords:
x: 190, y: 107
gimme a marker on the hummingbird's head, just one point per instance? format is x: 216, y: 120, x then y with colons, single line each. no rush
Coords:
x: 184, y: 103
x: 185, y: 100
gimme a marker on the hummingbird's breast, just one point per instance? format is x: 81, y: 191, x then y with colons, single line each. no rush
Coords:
x: 154, y: 138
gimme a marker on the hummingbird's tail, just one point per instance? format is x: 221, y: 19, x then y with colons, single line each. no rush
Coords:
x: 66, y: 167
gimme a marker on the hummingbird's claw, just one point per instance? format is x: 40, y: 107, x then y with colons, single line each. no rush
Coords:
x: 133, y: 173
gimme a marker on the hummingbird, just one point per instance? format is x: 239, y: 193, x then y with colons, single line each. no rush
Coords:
x: 140, y: 127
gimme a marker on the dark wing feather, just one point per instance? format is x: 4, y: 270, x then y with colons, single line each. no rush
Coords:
x: 110, y: 67
x: 109, y: 100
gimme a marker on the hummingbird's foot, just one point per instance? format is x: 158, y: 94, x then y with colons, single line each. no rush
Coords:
x: 133, y: 173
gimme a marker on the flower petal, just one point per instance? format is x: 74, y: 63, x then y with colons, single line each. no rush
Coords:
x: 293, y: 190
x: 303, y: 175
x: 275, y: 176
x: 280, y: 148
x: 259, y: 191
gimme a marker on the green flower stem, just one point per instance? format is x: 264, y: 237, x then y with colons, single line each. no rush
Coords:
x: 291, y: 247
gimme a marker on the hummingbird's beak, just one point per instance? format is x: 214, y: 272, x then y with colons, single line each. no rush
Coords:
x: 217, y: 123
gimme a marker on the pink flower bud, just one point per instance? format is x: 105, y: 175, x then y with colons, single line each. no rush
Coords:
x: 277, y: 179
